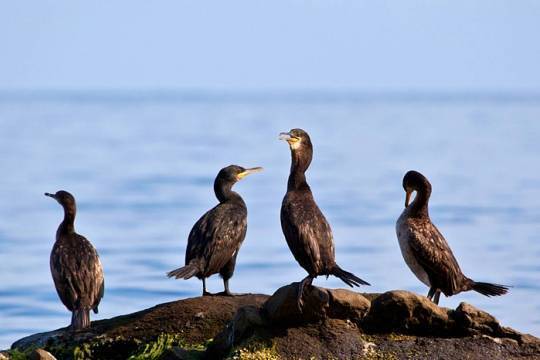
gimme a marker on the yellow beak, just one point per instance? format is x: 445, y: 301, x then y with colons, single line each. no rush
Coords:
x: 288, y: 137
x: 246, y: 172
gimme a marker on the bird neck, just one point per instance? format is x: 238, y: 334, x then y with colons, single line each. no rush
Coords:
x: 419, y: 207
x: 223, y: 191
x: 68, y: 224
x: 300, y: 160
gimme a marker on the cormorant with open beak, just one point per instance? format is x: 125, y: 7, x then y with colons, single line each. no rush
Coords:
x: 75, y: 267
x: 306, y: 230
x: 215, y: 239
x: 425, y: 250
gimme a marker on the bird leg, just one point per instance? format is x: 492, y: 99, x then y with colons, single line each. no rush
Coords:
x: 431, y: 293
x: 437, y: 296
x: 204, y: 292
x: 434, y: 295
x: 226, y: 292
x: 301, y: 285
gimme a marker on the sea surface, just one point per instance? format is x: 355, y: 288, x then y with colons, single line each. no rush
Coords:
x: 142, y: 166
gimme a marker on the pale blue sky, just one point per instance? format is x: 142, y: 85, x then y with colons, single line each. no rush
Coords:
x: 376, y: 45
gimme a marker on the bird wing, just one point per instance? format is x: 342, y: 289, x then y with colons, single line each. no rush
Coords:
x: 216, y: 237
x: 308, y: 234
x: 77, y: 273
x: 432, y: 252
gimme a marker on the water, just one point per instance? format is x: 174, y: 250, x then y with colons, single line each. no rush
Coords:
x: 142, y: 168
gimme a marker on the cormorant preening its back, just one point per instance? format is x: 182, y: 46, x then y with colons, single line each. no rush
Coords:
x: 75, y: 267
x: 215, y: 239
x: 306, y: 230
x: 425, y: 250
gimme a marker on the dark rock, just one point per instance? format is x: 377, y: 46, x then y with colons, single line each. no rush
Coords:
x: 338, y: 324
x: 39, y: 339
x: 347, y: 304
x: 282, y: 306
x: 186, y: 322
x: 240, y: 327
x: 475, y: 321
x: 407, y: 313
x: 176, y: 353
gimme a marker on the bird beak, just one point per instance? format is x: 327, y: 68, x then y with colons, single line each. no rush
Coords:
x: 50, y: 195
x: 246, y: 172
x: 288, y: 137
x: 407, y: 197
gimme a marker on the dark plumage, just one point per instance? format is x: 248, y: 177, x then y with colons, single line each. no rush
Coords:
x: 306, y: 230
x: 215, y: 239
x: 75, y: 267
x: 425, y: 250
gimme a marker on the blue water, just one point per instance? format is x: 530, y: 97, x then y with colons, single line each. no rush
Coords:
x: 142, y: 167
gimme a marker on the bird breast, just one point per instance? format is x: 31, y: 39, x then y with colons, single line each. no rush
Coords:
x: 403, y: 232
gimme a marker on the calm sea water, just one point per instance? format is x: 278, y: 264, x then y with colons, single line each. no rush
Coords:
x: 142, y: 169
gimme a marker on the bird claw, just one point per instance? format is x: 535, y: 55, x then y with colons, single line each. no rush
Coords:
x: 223, y: 293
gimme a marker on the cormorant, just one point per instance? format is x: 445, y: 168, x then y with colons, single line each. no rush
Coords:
x: 425, y: 250
x: 306, y: 230
x: 215, y: 239
x: 75, y: 267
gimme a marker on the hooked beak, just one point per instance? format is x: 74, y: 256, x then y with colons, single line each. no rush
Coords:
x: 50, y: 195
x: 288, y: 137
x: 408, y: 193
x: 246, y: 172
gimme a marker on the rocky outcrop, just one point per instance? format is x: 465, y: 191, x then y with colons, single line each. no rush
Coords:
x: 189, y: 323
x: 397, y: 325
x: 336, y: 323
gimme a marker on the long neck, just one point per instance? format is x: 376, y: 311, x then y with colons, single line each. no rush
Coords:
x: 68, y: 224
x: 223, y: 191
x: 419, y: 207
x: 300, y: 160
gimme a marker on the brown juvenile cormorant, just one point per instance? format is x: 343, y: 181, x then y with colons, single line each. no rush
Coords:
x: 306, y: 230
x: 75, y: 267
x: 215, y: 239
x: 425, y: 250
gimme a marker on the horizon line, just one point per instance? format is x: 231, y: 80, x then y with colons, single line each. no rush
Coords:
x: 267, y: 94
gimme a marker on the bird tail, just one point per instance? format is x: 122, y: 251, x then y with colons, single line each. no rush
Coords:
x: 347, y: 277
x: 185, y: 272
x: 80, y: 319
x: 488, y: 289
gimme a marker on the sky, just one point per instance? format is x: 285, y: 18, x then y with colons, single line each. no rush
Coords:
x: 298, y: 44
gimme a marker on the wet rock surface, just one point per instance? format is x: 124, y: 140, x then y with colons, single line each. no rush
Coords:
x: 333, y: 324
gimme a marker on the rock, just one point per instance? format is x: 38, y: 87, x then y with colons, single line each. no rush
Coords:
x: 40, y: 354
x: 347, y: 304
x: 246, y: 319
x: 282, y: 306
x: 338, y: 324
x: 475, y: 321
x: 39, y: 339
x: 187, y: 323
x: 408, y: 313
x: 176, y: 353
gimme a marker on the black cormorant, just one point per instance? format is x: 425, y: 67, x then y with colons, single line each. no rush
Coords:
x: 215, y: 239
x: 425, y: 250
x: 306, y: 230
x: 75, y: 267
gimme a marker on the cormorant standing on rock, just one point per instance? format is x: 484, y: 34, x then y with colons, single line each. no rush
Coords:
x: 75, y: 267
x: 215, y: 239
x: 425, y: 250
x: 306, y: 230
